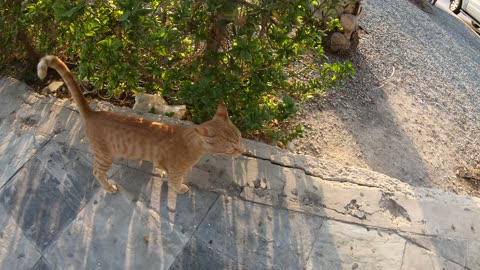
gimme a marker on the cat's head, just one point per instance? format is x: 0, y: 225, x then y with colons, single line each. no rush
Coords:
x: 220, y: 136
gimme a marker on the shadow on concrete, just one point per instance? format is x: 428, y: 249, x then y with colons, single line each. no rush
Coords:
x: 240, y: 233
x: 384, y: 145
x: 226, y: 221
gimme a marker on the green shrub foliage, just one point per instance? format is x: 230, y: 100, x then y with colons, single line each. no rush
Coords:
x: 260, y: 57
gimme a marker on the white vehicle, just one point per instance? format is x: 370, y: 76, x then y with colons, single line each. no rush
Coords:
x: 470, y: 7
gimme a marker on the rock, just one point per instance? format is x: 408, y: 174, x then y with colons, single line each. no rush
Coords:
x: 55, y: 86
x: 263, y: 184
x: 340, y: 10
x: 175, y: 111
x: 349, y: 9
x: 52, y: 87
x: 349, y: 23
x: 256, y: 183
x: 349, y: 14
x: 359, y: 214
x: 338, y: 42
x: 291, y: 146
x: 144, y: 102
x: 259, y: 183
x: 156, y: 104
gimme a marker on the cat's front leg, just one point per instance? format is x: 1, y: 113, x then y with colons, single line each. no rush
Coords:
x: 182, y: 189
x: 163, y: 171
x: 100, y: 168
x: 175, y: 180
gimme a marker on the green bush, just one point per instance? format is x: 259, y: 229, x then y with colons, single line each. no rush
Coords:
x: 259, y: 57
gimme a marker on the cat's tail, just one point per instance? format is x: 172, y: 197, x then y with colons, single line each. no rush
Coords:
x: 72, y: 85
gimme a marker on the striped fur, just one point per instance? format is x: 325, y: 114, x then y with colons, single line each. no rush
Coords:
x: 175, y: 149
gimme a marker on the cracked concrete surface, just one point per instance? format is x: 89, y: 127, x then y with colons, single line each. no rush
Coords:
x: 267, y: 209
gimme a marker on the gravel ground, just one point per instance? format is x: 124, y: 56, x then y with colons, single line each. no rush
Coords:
x: 413, y: 110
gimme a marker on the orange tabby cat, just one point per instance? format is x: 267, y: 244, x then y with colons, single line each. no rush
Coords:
x: 174, y: 149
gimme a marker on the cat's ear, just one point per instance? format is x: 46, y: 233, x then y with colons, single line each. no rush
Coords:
x: 202, y: 131
x: 222, y: 111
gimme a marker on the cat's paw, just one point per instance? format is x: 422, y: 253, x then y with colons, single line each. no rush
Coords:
x: 112, y: 188
x: 183, y: 189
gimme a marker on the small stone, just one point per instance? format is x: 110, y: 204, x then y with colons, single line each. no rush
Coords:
x: 256, y: 183
x: 146, y: 239
x: 263, y: 183
x: 156, y: 104
x: 291, y: 146
x: 55, y: 86
x: 354, y: 266
x: 349, y: 9
x: 359, y: 214
x: 338, y: 42
x: 294, y: 191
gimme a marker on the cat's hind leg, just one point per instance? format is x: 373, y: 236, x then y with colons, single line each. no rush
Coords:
x: 100, y: 168
x: 175, y: 180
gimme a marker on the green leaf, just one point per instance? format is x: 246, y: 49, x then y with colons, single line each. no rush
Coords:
x: 144, y: 11
x: 254, y: 55
x: 65, y: 10
x: 124, y: 17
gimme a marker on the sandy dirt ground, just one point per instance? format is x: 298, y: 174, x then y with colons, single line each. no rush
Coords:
x: 412, y: 111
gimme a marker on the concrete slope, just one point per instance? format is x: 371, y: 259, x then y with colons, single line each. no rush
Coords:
x: 267, y: 209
